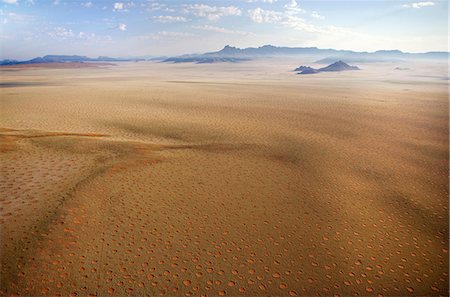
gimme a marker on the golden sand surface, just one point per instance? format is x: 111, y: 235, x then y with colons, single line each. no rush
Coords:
x: 149, y: 179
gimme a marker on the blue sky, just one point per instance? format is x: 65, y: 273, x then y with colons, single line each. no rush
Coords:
x: 31, y: 28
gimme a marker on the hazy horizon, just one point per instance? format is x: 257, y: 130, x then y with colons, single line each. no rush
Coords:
x: 31, y: 28
x: 216, y: 50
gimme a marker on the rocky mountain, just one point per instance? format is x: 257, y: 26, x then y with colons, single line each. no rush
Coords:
x: 305, y: 70
x: 270, y: 50
x: 335, y: 67
x: 338, y: 66
x: 8, y: 62
x: 202, y: 59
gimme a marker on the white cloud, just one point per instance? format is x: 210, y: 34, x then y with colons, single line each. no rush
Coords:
x: 263, y: 1
x: 11, y: 17
x: 220, y: 30
x: 10, y: 1
x: 301, y: 24
x: 260, y: 15
x: 86, y: 36
x: 122, y: 27
x: 169, y: 19
x: 292, y: 21
x: 87, y: 4
x: 174, y: 34
x: 293, y: 8
x: 419, y: 4
x: 56, y: 2
x: 316, y: 15
x: 212, y: 12
x: 118, y: 6
x: 61, y: 33
x: 292, y: 3
x: 166, y: 35
x: 155, y: 6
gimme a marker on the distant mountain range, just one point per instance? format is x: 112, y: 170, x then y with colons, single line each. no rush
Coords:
x: 335, y: 67
x: 234, y: 54
x: 76, y: 59
x: 202, y: 59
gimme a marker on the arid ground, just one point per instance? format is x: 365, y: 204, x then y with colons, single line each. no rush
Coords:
x: 224, y: 179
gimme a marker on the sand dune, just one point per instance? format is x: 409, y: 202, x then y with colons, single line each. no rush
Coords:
x: 244, y: 179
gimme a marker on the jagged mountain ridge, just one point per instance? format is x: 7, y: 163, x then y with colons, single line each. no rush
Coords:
x: 325, y: 55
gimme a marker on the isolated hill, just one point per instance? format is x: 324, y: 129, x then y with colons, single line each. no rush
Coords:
x: 301, y: 68
x: 335, y: 67
x: 338, y: 66
x: 401, y: 68
x: 306, y: 70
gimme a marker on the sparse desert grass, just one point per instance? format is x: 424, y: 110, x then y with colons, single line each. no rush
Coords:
x: 157, y: 179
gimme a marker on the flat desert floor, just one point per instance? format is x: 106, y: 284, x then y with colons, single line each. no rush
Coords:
x: 224, y: 179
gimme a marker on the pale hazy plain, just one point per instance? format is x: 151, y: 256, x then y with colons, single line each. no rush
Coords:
x: 224, y: 179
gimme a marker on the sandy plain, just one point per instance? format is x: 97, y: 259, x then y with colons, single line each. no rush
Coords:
x: 225, y: 179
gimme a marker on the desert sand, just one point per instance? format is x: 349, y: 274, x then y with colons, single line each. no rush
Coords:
x: 225, y: 179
